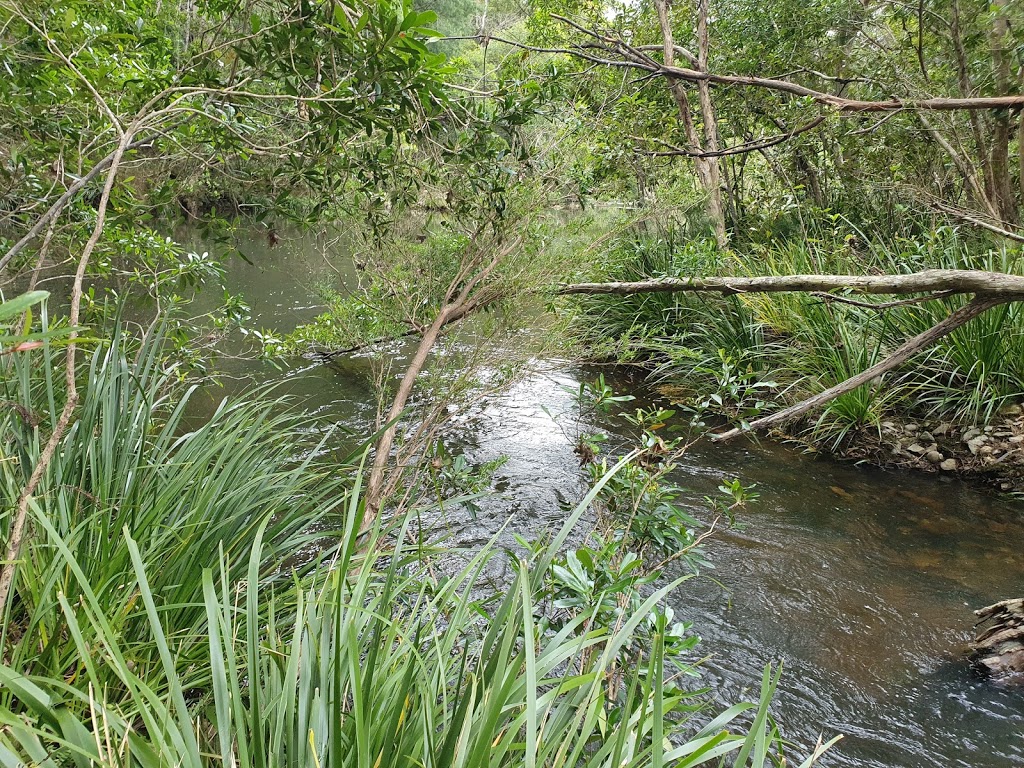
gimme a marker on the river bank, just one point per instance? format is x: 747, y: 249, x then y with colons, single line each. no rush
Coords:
x: 862, y: 580
x: 989, y: 455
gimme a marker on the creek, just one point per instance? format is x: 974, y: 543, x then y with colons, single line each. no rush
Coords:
x: 861, y: 581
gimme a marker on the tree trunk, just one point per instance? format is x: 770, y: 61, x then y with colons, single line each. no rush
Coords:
x: 967, y: 91
x: 707, y: 111
x: 705, y: 168
x: 1002, y: 184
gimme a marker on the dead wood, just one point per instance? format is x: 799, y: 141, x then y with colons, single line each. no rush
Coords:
x: 989, y: 288
x: 927, y: 281
x: 998, y: 648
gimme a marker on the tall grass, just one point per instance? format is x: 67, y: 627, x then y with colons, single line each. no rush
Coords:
x: 679, y: 333
x: 131, y: 468
x: 806, y: 344
x: 362, y: 665
x: 166, y: 613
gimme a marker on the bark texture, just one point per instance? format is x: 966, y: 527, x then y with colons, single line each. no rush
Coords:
x: 998, y: 648
x: 927, y: 281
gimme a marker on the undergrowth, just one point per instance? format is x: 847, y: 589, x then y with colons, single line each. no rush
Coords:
x: 741, y: 356
x: 200, y: 594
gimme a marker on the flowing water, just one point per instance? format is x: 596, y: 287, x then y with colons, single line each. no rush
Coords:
x: 861, y: 581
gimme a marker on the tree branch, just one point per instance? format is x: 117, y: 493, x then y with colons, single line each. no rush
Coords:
x: 17, y: 529
x: 634, y: 58
x: 990, y: 289
x: 907, y: 350
x: 746, y: 147
x: 61, y: 202
x: 928, y: 281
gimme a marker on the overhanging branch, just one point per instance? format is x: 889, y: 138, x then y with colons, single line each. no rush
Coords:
x: 928, y: 281
x: 990, y: 289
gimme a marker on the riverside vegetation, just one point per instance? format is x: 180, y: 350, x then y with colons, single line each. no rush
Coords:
x: 239, y: 592
x: 955, y: 409
x: 163, y: 616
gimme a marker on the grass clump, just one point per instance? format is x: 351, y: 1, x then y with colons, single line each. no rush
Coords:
x: 726, y: 354
x: 201, y: 595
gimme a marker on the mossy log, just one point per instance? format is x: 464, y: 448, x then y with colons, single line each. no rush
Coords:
x: 998, y: 648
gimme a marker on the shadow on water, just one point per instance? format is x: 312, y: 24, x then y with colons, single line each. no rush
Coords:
x: 861, y: 581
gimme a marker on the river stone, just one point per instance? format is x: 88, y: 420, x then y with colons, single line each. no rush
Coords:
x: 934, y: 457
x: 925, y: 437
x: 911, y: 428
x: 976, y: 442
x: 948, y: 465
x: 970, y: 434
x: 1016, y: 439
x: 916, y: 448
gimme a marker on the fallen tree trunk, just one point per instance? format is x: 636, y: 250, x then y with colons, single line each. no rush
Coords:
x: 989, y: 288
x: 998, y: 649
x: 928, y: 281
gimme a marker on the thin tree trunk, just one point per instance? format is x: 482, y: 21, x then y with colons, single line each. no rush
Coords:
x: 1020, y: 152
x: 967, y: 91
x: 707, y: 111
x: 472, y: 295
x: 1002, y: 185
x: 20, y: 519
x: 966, y: 167
x: 705, y: 168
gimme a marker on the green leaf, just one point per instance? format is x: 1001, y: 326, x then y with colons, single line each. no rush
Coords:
x: 22, y: 303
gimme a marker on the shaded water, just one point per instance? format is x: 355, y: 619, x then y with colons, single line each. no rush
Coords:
x: 861, y: 581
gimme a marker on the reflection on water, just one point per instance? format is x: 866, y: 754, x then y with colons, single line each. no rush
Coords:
x: 861, y: 581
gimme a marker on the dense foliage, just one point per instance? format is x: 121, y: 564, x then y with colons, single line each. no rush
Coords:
x: 231, y: 591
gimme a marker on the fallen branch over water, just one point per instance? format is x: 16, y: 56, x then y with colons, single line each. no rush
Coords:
x: 948, y: 281
x: 990, y: 289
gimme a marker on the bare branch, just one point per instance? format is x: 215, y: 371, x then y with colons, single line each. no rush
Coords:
x: 831, y: 297
x: 17, y: 530
x: 928, y: 281
x: 755, y: 145
x: 61, y: 202
x: 907, y: 350
x: 632, y: 57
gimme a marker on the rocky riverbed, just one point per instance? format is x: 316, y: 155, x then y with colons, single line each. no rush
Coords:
x: 992, y: 453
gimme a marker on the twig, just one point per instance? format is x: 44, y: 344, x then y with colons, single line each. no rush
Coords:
x: 882, y: 304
